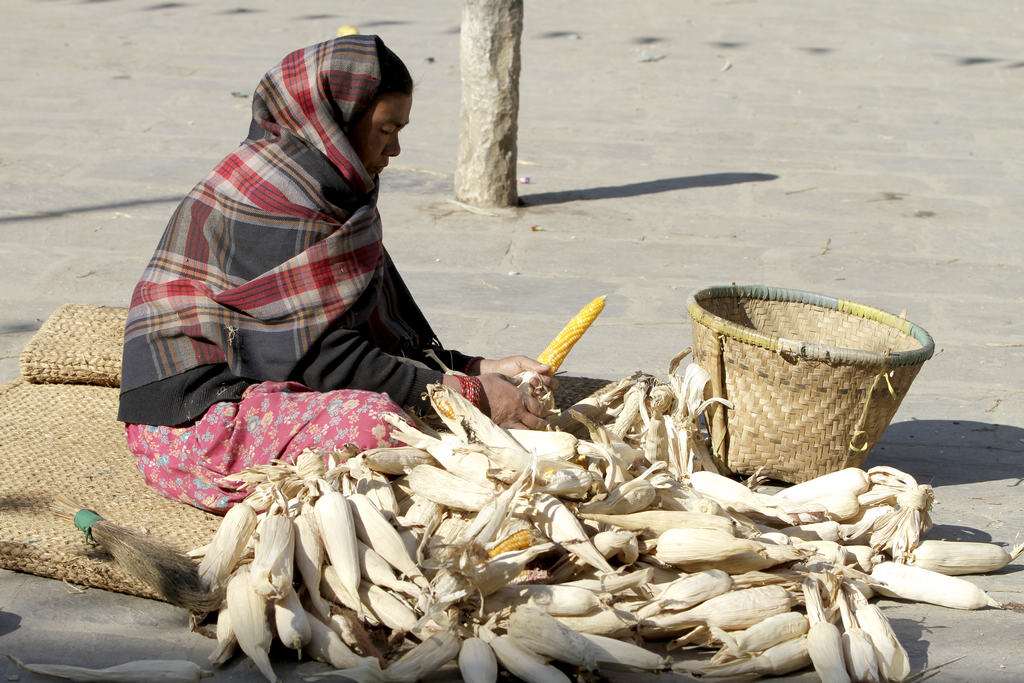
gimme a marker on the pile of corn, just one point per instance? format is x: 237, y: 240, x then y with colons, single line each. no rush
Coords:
x: 611, y: 543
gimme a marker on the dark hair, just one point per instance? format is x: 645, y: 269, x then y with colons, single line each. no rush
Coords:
x: 394, y: 76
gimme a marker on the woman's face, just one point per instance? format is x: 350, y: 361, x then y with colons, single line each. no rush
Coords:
x: 375, y: 136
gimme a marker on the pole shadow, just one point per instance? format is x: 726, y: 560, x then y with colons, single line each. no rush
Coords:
x: 55, y: 213
x: 645, y: 187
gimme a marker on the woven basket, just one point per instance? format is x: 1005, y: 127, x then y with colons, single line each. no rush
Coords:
x: 813, y: 381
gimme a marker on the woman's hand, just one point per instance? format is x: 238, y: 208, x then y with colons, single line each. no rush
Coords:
x: 513, y: 365
x: 507, y: 405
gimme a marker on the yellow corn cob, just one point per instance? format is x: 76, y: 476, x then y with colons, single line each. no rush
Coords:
x: 502, y: 570
x: 443, y: 405
x: 520, y: 540
x: 560, y: 346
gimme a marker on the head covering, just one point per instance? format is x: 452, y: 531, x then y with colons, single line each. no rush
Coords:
x: 281, y: 241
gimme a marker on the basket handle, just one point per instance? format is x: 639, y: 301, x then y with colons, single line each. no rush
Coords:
x: 718, y: 424
x: 859, y: 430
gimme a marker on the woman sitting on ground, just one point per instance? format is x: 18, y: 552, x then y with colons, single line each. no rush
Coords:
x: 271, y: 318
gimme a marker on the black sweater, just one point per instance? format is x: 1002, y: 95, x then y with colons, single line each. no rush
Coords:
x: 341, y: 359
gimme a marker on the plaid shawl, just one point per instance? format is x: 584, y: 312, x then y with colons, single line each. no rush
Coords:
x: 281, y: 241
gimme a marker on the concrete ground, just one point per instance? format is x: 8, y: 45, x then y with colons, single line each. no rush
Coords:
x: 872, y: 151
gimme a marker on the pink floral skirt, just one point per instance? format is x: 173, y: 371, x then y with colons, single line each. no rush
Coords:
x: 272, y: 421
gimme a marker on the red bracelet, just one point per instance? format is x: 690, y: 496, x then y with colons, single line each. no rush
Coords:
x: 470, y: 388
x: 473, y: 365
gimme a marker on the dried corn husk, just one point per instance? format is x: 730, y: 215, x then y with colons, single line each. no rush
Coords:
x: 338, y: 534
x: 612, y: 651
x: 893, y: 662
x: 556, y: 600
x: 615, y: 583
x: 397, y: 460
x: 653, y: 523
x: 858, y: 650
x: 444, y: 488
x: 824, y: 639
x: 163, y: 670
x: 273, y: 564
x: 559, y: 524
x: 226, y: 641
x: 388, y: 609
x: 233, y: 534
x: 523, y: 663
x: 290, y: 621
x: 955, y: 558
x: 545, y: 635
x: 249, y: 621
x: 610, y: 622
x: 326, y: 646
x: 477, y: 661
x: 923, y: 585
x: 547, y: 445
x: 784, y: 658
x: 688, y: 591
x: 309, y: 559
x: 424, y: 659
x: 819, y: 531
x: 376, y: 532
x: 682, y: 547
x: 770, y: 632
x: 732, y: 611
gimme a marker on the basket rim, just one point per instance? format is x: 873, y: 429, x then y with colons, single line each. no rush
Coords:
x: 808, y: 350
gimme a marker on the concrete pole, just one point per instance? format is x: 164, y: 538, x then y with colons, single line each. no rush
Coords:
x: 489, y: 56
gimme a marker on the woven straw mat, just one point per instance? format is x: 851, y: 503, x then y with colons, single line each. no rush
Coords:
x: 78, y: 344
x: 65, y: 437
